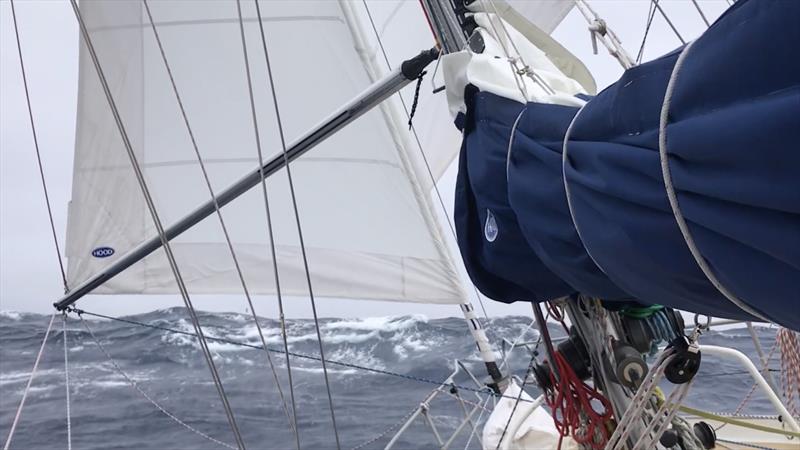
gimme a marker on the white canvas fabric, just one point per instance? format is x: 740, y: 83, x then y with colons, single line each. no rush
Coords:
x: 530, y: 426
x: 562, y: 75
x: 364, y: 194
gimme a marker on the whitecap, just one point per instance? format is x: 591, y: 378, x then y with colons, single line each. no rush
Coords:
x: 330, y: 370
x: 22, y: 376
x: 11, y: 315
x: 387, y: 323
x: 359, y: 357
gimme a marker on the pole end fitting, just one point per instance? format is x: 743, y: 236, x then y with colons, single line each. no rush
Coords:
x: 413, y: 67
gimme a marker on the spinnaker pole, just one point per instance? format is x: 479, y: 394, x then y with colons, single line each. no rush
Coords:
x: 371, y: 97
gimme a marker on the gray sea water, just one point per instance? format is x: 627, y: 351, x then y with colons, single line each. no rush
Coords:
x: 107, y: 413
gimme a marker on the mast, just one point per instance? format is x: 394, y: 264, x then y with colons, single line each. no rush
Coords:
x: 371, y: 97
x: 447, y: 22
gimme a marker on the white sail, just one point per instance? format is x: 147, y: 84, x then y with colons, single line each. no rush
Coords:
x: 363, y: 195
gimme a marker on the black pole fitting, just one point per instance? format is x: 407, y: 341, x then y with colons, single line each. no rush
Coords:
x: 412, y: 68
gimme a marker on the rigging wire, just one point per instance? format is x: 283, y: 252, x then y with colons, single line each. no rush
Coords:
x: 600, y: 30
x: 28, y: 385
x: 66, y: 383
x: 474, y: 432
x: 507, y: 354
x: 291, y: 191
x: 531, y: 364
x: 36, y: 146
x: 512, y: 61
x: 289, y: 416
x: 669, y: 21
x: 144, y: 394
x: 420, y: 147
x: 765, y: 370
x: 651, y: 14
x: 159, y: 227
x: 702, y: 15
x: 388, y: 430
x: 764, y: 359
x: 526, y: 69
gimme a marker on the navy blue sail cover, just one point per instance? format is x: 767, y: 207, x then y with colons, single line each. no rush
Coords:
x: 733, y: 151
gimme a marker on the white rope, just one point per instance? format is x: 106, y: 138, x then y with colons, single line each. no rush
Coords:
x: 28, y: 385
x: 639, y: 401
x: 159, y: 226
x: 526, y: 69
x: 512, y: 61
x: 144, y: 394
x: 219, y: 213
x: 570, y: 206
x: 663, y: 418
x: 600, y: 29
x: 673, y: 198
x: 66, y: 383
x: 511, y: 137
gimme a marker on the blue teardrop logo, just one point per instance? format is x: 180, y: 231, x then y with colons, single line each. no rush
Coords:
x: 102, y: 252
x: 490, y: 229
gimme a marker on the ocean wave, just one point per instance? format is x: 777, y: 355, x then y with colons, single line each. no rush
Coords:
x: 11, y: 315
x: 362, y: 357
x: 23, y: 375
x: 331, y: 371
x: 388, y: 323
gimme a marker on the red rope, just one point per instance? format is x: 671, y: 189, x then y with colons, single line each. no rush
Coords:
x: 574, y: 404
x: 556, y: 314
x: 789, y: 345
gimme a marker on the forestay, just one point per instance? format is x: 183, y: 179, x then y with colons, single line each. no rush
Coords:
x: 363, y: 195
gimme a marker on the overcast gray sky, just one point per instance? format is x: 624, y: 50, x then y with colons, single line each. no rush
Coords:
x: 29, y: 277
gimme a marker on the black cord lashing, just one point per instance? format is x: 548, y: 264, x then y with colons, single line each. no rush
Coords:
x: 416, y: 99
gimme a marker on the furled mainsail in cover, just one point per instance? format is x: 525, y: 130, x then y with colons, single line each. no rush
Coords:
x: 605, y: 226
x: 368, y: 220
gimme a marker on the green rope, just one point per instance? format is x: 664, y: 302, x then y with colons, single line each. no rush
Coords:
x: 737, y: 422
x: 641, y: 312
